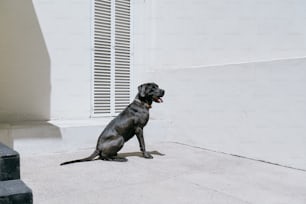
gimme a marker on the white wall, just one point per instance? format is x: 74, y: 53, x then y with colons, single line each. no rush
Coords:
x: 66, y: 27
x: 256, y: 109
x: 251, y: 109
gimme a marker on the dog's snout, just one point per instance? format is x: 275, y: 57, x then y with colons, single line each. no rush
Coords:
x: 162, y: 92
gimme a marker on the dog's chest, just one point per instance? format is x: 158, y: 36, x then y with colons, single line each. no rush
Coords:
x: 142, y: 117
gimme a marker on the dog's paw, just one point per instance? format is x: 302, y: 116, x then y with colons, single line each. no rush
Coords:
x: 147, y: 155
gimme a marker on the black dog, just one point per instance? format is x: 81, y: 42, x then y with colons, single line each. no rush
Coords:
x: 128, y: 123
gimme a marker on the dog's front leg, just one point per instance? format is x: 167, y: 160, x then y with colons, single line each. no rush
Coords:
x: 139, y: 134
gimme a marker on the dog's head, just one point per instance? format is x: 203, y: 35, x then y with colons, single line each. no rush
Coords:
x: 150, y: 92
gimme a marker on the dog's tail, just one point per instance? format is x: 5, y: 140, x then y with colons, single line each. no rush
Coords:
x: 90, y: 158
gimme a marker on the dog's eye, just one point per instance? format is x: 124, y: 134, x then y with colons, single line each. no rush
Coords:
x: 154, y: 88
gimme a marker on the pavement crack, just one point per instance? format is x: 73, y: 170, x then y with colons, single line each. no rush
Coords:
x: 242, y: 157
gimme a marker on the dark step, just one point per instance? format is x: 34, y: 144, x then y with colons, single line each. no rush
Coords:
x: 9, y: 164
x: 15, y: 192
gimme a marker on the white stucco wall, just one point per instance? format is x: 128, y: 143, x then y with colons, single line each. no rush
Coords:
x: 255, y: 109
x: 240, y: 107
x: 167, y: 34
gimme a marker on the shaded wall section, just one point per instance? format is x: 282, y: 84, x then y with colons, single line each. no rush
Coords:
x: 24, y: 64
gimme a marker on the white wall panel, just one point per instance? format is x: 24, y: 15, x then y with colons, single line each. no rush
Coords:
x: 66, y: 27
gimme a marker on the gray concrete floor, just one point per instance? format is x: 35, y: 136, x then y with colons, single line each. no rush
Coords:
x: 183, y: 175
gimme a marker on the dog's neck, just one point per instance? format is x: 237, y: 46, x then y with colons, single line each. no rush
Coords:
x: 148, y: 106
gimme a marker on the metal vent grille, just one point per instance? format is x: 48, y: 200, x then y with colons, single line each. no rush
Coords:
x: 111, y: 77
x: 122, y: 54
x: 102, y: 57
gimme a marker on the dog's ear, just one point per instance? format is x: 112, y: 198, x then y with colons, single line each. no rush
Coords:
x: 142, y: 90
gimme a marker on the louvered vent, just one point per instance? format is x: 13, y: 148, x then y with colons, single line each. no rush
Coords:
x: 102, y: 57
x: 122, y: 54
x: 111, y: 92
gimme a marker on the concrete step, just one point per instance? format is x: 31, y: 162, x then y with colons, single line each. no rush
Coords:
x: 15, y: 192
x: 55, y: 136
x: 12, y: 190
x: 9, y: 163
x: 71, y: 135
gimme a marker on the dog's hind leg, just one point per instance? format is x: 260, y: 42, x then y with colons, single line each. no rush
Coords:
x: 110, y: 147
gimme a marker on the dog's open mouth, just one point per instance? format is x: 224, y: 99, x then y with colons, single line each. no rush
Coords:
x: 158, y: 99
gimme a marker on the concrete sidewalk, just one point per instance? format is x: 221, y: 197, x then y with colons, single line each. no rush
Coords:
x: 183, y: 175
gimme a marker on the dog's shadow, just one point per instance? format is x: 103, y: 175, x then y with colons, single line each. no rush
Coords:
x: 139, y: 154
